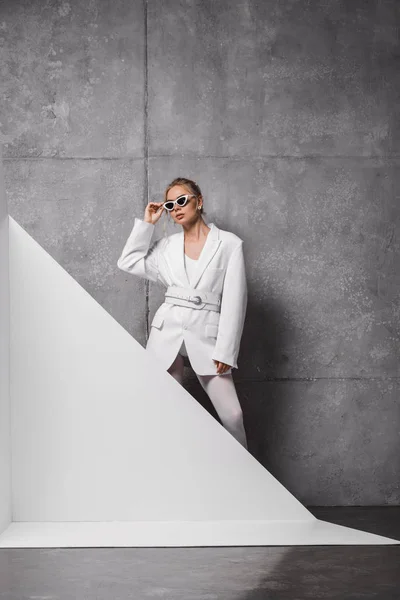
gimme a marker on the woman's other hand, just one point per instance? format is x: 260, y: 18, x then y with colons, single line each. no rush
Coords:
x: 221, y: 367
x: 153, y: 212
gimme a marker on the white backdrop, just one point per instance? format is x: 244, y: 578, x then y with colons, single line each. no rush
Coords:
x: 5, y: 444
x: 109, y: 450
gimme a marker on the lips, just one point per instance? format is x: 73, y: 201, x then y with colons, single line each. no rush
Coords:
x: 179, y: 216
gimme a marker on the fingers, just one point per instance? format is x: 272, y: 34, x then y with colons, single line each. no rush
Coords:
x: 221, y: 367
x: 155, y: 209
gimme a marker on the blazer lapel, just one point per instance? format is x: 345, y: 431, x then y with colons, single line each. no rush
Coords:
x: 176, y: 260
x: 209, y: 249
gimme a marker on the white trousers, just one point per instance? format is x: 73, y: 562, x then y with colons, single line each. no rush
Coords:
x: 222, y: 392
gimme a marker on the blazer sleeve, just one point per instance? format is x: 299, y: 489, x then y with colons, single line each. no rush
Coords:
x: 139, y: 256
x: 233, y: 310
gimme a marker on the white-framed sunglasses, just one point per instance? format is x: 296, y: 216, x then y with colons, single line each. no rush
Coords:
x: 180, y: 201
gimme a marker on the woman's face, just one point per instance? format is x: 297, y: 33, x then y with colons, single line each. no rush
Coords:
x: 187, y: 214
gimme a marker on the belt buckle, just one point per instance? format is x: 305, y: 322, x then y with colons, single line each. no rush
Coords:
x: 197, y: 301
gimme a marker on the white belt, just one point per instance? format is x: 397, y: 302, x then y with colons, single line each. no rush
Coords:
x: 193, y: 298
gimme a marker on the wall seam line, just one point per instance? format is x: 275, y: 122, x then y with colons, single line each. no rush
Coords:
x: 146, y: 150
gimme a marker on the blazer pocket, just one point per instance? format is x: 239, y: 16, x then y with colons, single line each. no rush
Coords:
x: 211, y: 330
x: 157, y: 321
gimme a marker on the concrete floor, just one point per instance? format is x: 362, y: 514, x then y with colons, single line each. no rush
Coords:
x: 250, y: 573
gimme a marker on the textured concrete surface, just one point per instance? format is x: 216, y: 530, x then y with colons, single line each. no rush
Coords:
x: 289, y: 78
x: 328, y: 434
x: 287, y: 115
x: 251, y: 573
x: 72, y: 78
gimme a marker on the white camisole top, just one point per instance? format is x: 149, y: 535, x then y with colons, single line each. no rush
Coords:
x: 190, y: 265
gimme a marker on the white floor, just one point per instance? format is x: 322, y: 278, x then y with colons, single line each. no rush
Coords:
x: 174, y: 534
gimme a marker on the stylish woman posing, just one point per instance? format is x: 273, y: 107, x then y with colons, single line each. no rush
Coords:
x: 205, y: 304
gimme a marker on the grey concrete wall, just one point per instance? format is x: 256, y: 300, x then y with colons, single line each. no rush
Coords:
x: 287, y: 115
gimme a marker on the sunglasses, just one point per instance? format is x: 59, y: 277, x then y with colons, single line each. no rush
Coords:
x: 181, y: 201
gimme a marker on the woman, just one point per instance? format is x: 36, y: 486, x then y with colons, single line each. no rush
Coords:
x: 203, y: 315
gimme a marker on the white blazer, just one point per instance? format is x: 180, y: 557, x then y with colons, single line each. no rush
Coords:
x: 208, y: 335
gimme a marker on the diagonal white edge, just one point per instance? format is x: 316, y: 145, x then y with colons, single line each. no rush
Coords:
x: 109, y: 450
